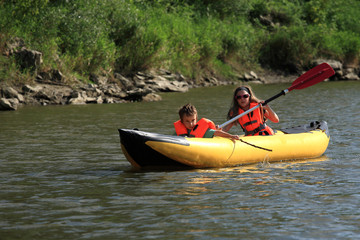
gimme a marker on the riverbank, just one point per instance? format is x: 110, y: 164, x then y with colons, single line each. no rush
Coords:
x: 102, y: 89
x: 79, y: 52
x: 50, y: 88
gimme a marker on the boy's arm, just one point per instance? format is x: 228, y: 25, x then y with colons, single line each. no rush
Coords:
x: 209, y: 133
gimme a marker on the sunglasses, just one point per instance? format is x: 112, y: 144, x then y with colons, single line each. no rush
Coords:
x: 242, y: 96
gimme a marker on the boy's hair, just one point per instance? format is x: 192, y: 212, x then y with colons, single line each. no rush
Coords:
x: 187, y: 110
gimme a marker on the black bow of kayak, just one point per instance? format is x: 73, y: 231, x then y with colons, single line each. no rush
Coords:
x: 137, y: 135
x: 134, y: 143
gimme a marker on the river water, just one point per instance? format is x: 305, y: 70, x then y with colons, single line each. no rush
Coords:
x: 63, y: 175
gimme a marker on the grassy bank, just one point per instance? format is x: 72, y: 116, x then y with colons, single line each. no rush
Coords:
x: 193, y: 37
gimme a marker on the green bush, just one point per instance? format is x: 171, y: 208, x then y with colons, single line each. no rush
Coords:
x: 288, y: 49
x: 345, y: 15
x: 177, y: 48
x: 344, y: 46
x: 82, y: 32
x: 193, y: 37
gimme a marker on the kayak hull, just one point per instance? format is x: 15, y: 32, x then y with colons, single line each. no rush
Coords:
x: 144, y: 149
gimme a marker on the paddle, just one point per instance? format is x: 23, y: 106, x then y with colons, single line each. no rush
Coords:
x: 311, y: 77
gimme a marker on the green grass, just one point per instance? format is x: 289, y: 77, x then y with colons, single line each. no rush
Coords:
x: 192, y: 37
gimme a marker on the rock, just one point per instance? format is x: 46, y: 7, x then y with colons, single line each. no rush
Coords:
x: 21, y: 98
x: 137, y: 94
x: 28, y: 89
x: 126, y: 83
x: 351, y: 76
x: 336, y: 65
x: 78, y: 98
x: 77, y: 101
x: 9, y: 104
x: 161, y: 84
x: 140, y: 76
x: 28, y: 59
x: 180, y: 77
x: 10, y: 92
x: 90, y: 100
x: 98, y: 92
x: 253, y: 75
x: 164, y: 72
x: 181, y: 86
x: 208, y: 81
x: 253, y: 78
x: 42, y: 95
x: 92, y: 90
x: 144, y: 75
x: 170, y: 77
x: 53, y: 76
x: 99, y: 80
x: 108, y: 100
x: 139, y: 83
x: 57, y: 76
x: 257, y: 82
x: 247, y: 77
x: 97, y: 100
x: 43, y: 77
x: 114, y: 91
x: 152, y: 97
x: 13, y: 45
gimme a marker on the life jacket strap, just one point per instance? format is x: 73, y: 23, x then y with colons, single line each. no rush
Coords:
x: 249, y: 123
x: 256, y: 130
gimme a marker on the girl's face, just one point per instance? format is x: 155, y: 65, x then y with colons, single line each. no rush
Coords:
x: 243, y: 98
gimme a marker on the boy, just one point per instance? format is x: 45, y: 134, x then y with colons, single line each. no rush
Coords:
x: 190, y: 127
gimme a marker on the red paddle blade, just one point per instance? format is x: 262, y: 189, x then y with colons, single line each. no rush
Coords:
x: 313, y: 76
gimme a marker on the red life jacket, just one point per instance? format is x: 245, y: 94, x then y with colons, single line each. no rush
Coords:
x: 253, y: 123
x: 198, y: 131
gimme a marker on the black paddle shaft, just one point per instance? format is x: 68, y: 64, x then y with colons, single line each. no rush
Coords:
x: 283, y: 92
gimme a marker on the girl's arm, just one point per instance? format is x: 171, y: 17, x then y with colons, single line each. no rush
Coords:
x: 270, y: 114
x: 228, y: 127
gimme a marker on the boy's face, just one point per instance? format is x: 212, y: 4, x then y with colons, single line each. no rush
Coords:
x: 189, y: 121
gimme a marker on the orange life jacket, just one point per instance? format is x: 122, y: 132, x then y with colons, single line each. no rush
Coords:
x: 198, y: 131
x: 253, y: 123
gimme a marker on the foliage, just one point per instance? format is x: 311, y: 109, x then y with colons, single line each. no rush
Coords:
x: 27, y: 8
x: 288, y: 48
x: 193, y: 37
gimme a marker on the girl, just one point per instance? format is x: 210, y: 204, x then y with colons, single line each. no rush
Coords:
x: 254, y: 122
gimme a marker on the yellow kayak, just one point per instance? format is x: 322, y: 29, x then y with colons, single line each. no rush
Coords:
x: 144, y: 149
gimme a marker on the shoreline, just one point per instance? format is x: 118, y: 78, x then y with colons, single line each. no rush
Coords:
x: 51, y: 88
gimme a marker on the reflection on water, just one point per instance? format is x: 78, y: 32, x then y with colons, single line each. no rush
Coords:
x: 63, y: 175
x: 257, y: 174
